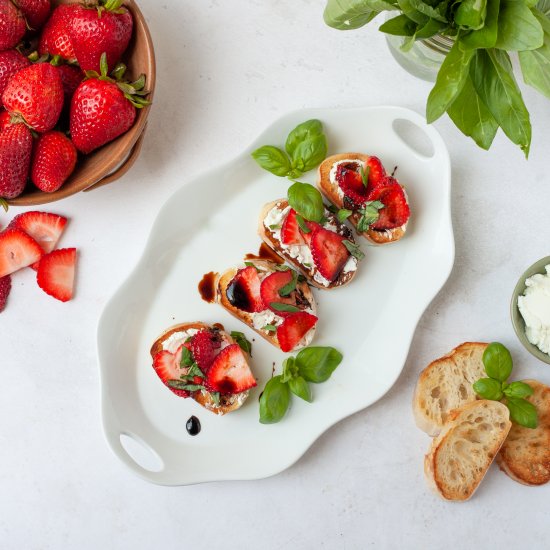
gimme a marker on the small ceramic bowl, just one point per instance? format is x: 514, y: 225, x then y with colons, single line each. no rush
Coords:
x: 517, y: 320
x: 112, y: 161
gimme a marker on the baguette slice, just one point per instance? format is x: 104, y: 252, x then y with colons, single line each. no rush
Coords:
x: 264, y: 266
x: 269, y: 236
x: 227, y: 402
x: 461, y: 454
x: 331, y: 190
x: 525, y: 455
x: 446, y: 384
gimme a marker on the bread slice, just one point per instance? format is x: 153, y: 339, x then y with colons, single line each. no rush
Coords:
x: 462, y: 453
x: 525, y: 455
x: 264, y: 266
x: 269, y: 236
x: 332, y: 192
x: 446, y: 384
x: 227, y: 403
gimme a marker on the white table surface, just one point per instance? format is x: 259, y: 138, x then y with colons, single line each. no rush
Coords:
x: 226, y: 70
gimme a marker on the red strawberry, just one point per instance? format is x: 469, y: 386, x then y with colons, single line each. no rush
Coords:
x: 5, y: 287
x: 351, y: 184
x: 11, y: 61
x: 290, y: 230
x: 270, y: 287
x: 376, y: 171
x: 294, y: 328
x: 56, y: 273
x: 204, y: 346
x: 15, y: 159
x: 312, y: 226
x: 396, y: 211
x: 329, y: 253
x: 12, y: 25
x: 5, y: 120
x: 35, y: 93
x: 71, y: 77
x: 230, y: 373
x: 105, y: 28
x: 17, y: 250
x: 243, y: 292
x: 43, y: 227
x: 53, y: 161
x: 36, y: 12
x: 167, y: 368
x: 55, y: 36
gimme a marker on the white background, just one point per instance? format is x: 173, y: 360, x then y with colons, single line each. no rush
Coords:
x: 226, y: 70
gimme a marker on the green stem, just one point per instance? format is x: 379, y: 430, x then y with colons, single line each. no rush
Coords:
x: 113, y: 5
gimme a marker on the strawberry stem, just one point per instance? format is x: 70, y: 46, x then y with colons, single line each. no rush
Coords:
x: 113, y: 5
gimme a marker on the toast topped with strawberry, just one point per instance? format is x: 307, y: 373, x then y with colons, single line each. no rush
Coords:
x: 205, y: 363
x: 325, y: 252
x: 374, y: 202
x: 272, y: 299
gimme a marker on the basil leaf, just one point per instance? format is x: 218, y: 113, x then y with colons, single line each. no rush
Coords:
x: 535, y: 64
x: 303, y: 132
x: 274, y: 226
x: 343, y: 214
x: 290, y: 286
x: 518, y: 389
x: 306, y: 200
x: 194, y: 370
x: 450, y: 80
x: 182, y: 385
x: 399, y: 26
x: 270, y: 328
x: 349, y: 14
x: 427, y: 10
x: 429, y: 29
x: 472, y: 117
x: 497, y: 361
x: 544, y: 7
x: 493, y: 79
x: 485, y: 37
x: 411, y: 12
x: 273, y: 160
x: 310, y: 153
x: 353, y: 249
x: 488, y: 389
x: 471, y: 14
x: 215, y: 395
x: 522, y: 412
x: 316, y: 364
x: 274, y: 401
x: 300, y: 388
x: 186, y: 358
x: 369, y: 215
x: 281, y: 267
x: 518, y: 28
x: 278, y: 306
x: 251, y: 264
x: 302, y: 224
x: 241, y: 339
x: 290, y: 370
x: 364, y: 175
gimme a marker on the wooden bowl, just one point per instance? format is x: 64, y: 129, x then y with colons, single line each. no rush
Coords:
x: 113, y: 160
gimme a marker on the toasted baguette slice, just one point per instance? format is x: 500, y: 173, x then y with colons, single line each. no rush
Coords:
x: 264, y: 266
x: 461, y: 454
x: 446, y: 384
x: 269, y: 236
x: 333, y: 193
x: 525, y: 455
x: 227, y: 403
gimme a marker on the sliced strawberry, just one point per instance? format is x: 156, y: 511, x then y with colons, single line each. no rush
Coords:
x: 351, y: 182
x: 377, y: 173
x: 329, y: 253
x: 243, y: 292
x: 167, y: 368
x: 294, y: 328
x: 204, y: 346
x: 230, y: 373
x: 312, y: 226
x: 290, y: 230
x: 56, y: 273
x: 270, y: 291
x: 17, y: 250
x: 5, y: 287
x: 396, y: 211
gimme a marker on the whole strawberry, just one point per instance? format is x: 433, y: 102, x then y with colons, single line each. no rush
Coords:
x: 53, y: 161
x: 11, y: 61
x: 103, y: 108
x: 12, y: 25
x: 71, y: 77
x: 36, y: 94
x: 15, y: 159
x: 106, y: 27
x: 5, y: 120
x: 55, y: 36
x: 36, y: 12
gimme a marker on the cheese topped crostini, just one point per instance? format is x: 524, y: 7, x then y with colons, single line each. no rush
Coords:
x: 374, y: 202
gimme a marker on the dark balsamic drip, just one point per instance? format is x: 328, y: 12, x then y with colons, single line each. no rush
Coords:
x: 207, y: 287
x: 193, y: 426
x: 265, y: 253
x: 238, y: 296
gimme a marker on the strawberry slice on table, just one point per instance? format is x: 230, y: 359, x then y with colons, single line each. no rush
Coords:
x: 243, y: 292
x: 56, y: 272
x: 43, y: 227
x: 270, y: 288
x: 230, y: 373
x: 5, y: 287
x: 205, y: 346
x: 294, y: 328
x: 17, y: 250
x: 396, y: 211
x: 329, y: 253
x: 167, y: 368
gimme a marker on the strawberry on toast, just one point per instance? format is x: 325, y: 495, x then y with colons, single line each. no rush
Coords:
x: 272, y: 299
x: 205, y: 363
x: 376, y: 203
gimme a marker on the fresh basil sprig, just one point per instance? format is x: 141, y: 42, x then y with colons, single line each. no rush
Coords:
x: 312, y: 364
x: 307, y: 201
x: 353, y: 249
x: 305, y: 148
x: 243, y: 342
x: 369, y: 214
x: 498, y: 366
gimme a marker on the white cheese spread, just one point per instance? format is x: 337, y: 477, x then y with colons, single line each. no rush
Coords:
x: 176, y: 339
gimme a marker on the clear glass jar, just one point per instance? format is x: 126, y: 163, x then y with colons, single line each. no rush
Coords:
x: 424, y: 58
